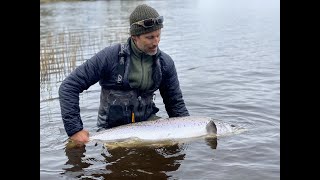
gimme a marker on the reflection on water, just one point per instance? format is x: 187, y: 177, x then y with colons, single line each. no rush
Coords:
x: 144, y: 161
x: 75, y: 156
x: 141, y: 161
x: 212, y: 142
x: 128, y: 162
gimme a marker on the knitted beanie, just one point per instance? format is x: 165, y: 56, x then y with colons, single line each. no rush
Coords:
x: 142, y: 12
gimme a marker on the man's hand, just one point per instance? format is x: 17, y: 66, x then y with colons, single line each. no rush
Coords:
x: 80, y: 137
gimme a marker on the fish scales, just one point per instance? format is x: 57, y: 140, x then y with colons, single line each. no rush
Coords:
x: 164, y: 129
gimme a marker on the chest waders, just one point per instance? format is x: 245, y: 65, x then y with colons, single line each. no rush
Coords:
x: 118, y: 107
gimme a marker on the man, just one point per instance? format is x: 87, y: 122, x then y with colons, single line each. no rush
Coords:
x: 128, y: 74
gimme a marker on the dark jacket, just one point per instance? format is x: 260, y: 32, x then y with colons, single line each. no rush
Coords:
x: 102, y: 67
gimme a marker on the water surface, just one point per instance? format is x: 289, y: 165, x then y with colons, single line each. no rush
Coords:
x: 227, y: 55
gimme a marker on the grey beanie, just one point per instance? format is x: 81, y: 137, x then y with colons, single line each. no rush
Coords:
x: 142, y: 12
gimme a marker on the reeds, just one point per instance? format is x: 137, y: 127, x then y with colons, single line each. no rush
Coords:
x: 58, y: 55
x: 49, y: 1
x: 61, y: 53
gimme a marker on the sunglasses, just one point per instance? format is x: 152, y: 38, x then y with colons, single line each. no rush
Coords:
x: 149, y: 22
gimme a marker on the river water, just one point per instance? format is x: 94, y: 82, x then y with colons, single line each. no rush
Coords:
x: 227, y: 55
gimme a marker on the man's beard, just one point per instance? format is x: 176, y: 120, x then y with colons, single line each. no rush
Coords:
x: 152, y: 53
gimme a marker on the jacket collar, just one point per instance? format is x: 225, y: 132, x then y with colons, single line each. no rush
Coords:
x: 156, y: 75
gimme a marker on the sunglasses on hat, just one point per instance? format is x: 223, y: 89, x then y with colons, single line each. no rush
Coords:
x: 146, y: 23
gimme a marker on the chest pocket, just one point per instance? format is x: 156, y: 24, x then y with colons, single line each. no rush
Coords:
x: 118, y: 107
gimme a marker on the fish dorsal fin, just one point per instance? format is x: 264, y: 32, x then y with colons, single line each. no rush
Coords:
x: 211, y: 128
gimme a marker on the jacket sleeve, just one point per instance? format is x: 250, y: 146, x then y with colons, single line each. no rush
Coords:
x: 75, y: 83
x: 171, y: 93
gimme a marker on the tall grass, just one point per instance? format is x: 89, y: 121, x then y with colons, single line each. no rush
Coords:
x: 48, y: 1
x: 62, y: 52
x: 58, y: 55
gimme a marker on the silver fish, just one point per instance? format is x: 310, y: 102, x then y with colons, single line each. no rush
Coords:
x: 166, y: 129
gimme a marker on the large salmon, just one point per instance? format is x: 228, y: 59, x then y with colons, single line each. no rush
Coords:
x: 172, y: 129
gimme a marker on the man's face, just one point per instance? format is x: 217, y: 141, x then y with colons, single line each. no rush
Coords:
x: 148, y: 43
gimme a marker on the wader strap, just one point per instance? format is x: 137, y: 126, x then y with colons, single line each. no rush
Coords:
x: 120, y: 67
